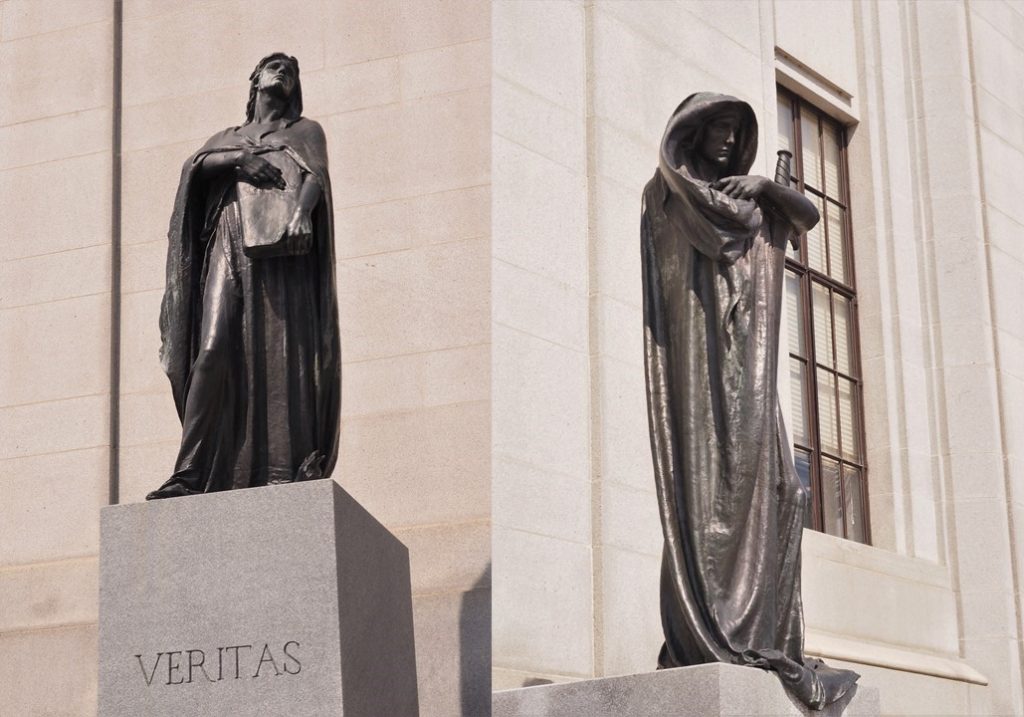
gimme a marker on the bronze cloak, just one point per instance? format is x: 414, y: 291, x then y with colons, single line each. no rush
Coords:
x: 196, y: 217
x: 731, y: 503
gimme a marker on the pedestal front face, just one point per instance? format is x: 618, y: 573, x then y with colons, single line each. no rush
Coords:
x: 286, y: 599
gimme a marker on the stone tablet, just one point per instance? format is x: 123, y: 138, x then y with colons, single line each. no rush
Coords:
x: 287, y: 600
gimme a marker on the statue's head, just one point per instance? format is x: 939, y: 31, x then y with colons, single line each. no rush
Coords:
x: 276, y: 74
x: 715, y: 141
x: 714, y: 130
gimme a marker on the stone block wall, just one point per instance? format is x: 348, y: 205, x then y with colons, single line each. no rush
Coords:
x: 55, y: 179
x: 541, y: 364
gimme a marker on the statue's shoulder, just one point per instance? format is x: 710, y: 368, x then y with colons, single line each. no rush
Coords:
x: 226, y: 136
x: 310, y: 140
x: 310, y: 127
x: 655, y: 191
x: 228, y: 133
x: 310, y: 122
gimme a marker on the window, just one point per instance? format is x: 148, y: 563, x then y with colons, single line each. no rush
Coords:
x: 821, y: 295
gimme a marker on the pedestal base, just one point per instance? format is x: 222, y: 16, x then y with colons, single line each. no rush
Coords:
x: 287, y: 599
x: 699, y: 691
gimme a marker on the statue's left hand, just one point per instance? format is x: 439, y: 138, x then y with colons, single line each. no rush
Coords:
x: 299, y: 232
x: 741, y: 187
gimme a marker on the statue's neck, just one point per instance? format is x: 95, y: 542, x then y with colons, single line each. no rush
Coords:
x: 268, y: 108
x: 705, y: 170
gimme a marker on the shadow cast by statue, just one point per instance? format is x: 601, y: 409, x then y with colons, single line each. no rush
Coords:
x: 475, y: 647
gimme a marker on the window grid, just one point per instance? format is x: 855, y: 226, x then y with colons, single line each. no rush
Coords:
x: 844, y: 458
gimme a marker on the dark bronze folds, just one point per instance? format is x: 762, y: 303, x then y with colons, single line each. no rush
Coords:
x: 732, y: 506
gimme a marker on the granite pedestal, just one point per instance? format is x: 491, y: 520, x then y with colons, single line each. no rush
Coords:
x: 281, y: 600
x: 699, y: 691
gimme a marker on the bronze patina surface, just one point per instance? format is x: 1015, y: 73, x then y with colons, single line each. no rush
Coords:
x: 249, y: 322
x: 732, y: 506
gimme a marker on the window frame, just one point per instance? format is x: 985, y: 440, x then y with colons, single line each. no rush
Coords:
x: 807, y: 277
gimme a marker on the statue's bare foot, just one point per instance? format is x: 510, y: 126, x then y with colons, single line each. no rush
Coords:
x: 174, y: 490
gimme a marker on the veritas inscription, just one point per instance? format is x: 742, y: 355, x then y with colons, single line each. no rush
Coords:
x: 233, y: 662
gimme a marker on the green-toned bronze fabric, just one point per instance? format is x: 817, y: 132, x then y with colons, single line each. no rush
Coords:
x: 731, y: 503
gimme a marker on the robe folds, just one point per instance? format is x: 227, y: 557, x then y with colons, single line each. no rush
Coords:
x: 732, y: 506
x: 269, y: 409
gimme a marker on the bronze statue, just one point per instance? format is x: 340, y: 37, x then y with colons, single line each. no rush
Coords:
x: 732, y: 505
x: 249, y: 321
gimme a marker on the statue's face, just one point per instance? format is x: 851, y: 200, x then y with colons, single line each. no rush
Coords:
x: 278, y: 77
x: 719, y: 139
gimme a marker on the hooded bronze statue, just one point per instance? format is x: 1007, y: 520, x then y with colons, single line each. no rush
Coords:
x: 732, y: 506
x: 250, y: 341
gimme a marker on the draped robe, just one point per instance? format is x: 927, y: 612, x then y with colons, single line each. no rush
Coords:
x: 270, y: 410
x: 732, y: 506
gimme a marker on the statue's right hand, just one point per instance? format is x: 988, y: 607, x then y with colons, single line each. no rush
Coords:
x: 254, y: 169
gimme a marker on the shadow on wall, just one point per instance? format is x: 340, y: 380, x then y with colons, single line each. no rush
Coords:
x: 475, y: 647
x: 536, y: 681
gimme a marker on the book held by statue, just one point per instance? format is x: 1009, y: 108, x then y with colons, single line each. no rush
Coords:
x: 266, y: 211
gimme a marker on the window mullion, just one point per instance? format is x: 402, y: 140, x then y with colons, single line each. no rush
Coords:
x: 798, y: 155
x: 820, y: 124
x: 855, y: 360
x: 812, y: 403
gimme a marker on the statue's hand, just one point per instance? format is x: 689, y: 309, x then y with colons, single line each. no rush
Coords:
x: 741, y: 187
x: 254, y: 169
x: 299, y: 232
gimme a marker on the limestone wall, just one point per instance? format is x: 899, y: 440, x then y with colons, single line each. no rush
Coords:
x: 542, y: 498
x: 402, y: 90
x: 55, y: 255
x: 985, y: 391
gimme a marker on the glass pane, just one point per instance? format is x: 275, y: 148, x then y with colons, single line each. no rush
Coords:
x: 828, y: 429
x: 844, y: 334
x: 854, y: 506
x: 837, y: 243
x: 816, y: 239
x: 811, y: 153
x: 786, y: 125
x: 794, y: 316
x: 802, y: 460
x: 798, y: 401
x: 831, y: 498
x: 849, y: 420
x: 822, y: 313
x: 833, y: 173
